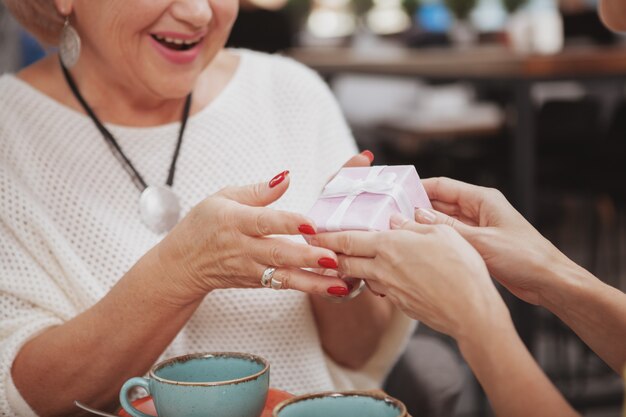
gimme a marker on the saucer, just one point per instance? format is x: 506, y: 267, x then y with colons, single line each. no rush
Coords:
x: 274, y: 396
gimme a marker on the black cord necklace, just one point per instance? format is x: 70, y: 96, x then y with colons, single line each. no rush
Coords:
x: 158, y: 205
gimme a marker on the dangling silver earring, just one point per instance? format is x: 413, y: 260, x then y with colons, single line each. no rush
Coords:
x: 69, y: 47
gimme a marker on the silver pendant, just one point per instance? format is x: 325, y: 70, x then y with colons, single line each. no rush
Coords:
x: 69, y: 45
x: 159, y: 208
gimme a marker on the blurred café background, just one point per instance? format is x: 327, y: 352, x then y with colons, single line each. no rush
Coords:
x: 524, y: 95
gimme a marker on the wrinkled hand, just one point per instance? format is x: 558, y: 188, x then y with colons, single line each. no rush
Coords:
x: 430, y: 272
x: 225, y: 242
x: 516, y: 254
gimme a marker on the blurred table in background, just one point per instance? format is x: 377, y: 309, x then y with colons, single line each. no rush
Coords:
x: 487, y: 62
x: 484, y: 65
x: 481, y: 65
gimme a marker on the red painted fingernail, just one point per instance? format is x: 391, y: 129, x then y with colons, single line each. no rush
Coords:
x: 369, y: 155
x: 327, y: 263
x: 338, y: 291
x: 306, y: 229
x: 278, y: 179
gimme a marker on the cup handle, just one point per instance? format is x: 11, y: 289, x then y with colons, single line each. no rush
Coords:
x: 129, y: 385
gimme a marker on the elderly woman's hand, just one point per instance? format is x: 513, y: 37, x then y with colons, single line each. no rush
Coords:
x: 225, y: 242
x: 430, y: 272
x: 516, y: 254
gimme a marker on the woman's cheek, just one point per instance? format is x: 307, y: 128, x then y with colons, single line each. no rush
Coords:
x: 227, y: 11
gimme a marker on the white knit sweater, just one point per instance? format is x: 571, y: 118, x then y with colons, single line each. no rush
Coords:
x: 69, y: 224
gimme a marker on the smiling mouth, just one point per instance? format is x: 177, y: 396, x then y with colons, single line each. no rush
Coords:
x: 176, y: 44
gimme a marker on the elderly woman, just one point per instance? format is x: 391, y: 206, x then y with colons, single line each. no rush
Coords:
x: 94, y: 286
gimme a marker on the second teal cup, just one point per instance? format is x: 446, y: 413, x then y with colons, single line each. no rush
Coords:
x: 341, y: 404
x: 224, y: 384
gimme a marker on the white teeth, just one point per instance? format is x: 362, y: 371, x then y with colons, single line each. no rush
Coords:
x: 177, y: 41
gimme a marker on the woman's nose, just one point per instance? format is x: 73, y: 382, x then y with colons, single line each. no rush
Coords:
x: 195, y: 12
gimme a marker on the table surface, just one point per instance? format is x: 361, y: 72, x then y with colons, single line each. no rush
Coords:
x: 482, y: 62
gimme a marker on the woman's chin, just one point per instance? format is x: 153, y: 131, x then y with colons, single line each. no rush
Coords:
x: 176, y: 91
x: 169, y: 82
x: 172, y: 87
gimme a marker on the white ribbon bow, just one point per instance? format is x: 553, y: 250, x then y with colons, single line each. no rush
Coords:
x: 374, y: 183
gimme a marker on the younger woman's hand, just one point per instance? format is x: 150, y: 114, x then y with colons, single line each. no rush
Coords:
x: 430, y: 272
x: 516, y: 254
x: 227, y: 241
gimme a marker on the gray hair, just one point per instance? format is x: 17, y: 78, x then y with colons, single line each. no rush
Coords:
x: 39, y: 17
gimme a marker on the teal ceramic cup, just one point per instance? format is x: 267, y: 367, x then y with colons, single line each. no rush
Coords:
x: 341, y: 404
x: 224, y: 384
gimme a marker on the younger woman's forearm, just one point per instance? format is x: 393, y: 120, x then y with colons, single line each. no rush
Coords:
x: 512, y: 380
x: 591, y: 308
x: 89, y: 357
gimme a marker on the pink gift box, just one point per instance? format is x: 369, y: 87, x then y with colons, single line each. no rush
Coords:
x: 365, y: 198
